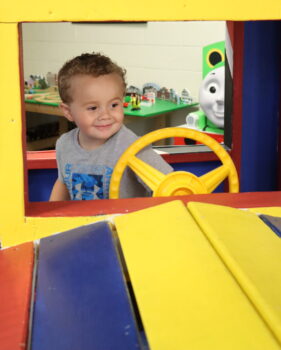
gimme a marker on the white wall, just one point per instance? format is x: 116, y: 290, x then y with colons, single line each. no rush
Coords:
x: 166, y: 53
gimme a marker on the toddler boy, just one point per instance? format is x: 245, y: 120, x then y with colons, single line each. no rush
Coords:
x: 92, y: 88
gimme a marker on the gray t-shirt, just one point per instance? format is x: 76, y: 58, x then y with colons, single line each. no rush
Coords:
x: 87, y: 174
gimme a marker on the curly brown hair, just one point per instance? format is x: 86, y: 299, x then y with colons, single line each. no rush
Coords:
x: 94, y: 64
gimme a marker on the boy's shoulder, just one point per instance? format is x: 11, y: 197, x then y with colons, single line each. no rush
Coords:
x: 120, y: 141
x: 67, y: 137
x: 125, y: 134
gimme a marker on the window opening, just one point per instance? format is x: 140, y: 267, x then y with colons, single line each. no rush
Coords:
x: 165, y: 61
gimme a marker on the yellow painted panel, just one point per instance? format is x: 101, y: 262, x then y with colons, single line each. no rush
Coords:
x: 251, y: 250
x: 273, y: 211
x: 11, y: 158
x: 186, y: 296
x: 15, y: 228
x: 89, y: 10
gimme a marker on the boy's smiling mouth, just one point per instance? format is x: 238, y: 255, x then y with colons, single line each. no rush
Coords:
x: 103, y: 126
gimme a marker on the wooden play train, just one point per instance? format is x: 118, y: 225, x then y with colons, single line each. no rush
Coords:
x: 163, y: 275
x: 166, y: 277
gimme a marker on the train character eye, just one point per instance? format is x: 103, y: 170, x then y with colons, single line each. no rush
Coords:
x: 212, y: 88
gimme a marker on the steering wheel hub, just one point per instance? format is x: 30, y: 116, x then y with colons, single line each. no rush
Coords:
x: 179, y: 183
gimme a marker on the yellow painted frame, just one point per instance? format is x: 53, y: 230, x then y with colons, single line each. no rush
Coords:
x: 15, y: 227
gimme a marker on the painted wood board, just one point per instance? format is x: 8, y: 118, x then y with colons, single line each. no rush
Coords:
x: 186, y: 296
x: 81, y: 298
x: 16, y: 270
x: 274, y: 211
x: 273, y: 222
x: 251, y: 251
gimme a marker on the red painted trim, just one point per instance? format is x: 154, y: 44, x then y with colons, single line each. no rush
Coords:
x: 279, y: 147
x: 230, y: 29
x: 41, y: 160
x: 16, y: 269
x: 23, y: 119
x: 122, y: 206
x: 190, y: 157
x: 238, y: 59
x: 47, y: 159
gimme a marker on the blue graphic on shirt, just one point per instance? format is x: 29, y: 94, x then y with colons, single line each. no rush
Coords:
x: 86, y: 182
x: 87, y: 186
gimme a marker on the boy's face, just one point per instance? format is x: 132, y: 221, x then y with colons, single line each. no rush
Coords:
x: 96, y: 107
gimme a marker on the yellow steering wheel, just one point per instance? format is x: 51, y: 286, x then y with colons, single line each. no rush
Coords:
x: 180, y: 182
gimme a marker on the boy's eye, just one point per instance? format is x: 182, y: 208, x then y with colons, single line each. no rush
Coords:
x: 115, y: 104
x: 92, y: 108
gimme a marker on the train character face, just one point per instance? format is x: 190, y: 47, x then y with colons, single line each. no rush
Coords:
x: 211, y: 96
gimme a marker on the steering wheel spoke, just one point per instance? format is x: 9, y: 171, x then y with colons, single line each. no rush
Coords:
x: 149, y: 175
x: 213, y: 178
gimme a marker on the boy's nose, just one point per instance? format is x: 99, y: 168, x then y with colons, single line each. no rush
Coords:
x: 103, y: 113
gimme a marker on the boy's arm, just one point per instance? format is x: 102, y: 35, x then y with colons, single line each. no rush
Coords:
x: 59, y: 192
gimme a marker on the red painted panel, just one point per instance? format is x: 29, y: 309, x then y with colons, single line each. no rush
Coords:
x: 279, y: 150
x: 230, y: 29
x: 47, y: 159
x: 16, y: 269
x: 114, y: 206
x: 190, y: 157
x: 238, y: 61
x: 41, y: 159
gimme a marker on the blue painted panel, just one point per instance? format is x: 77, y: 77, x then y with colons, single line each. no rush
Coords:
x: 41, y: 181
x: 199, y: 168
x: 261, y: 105
x: 81, y: 298
x: 272, y: 222
x: 40, y: 184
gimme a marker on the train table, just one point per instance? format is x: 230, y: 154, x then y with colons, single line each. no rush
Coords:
x: 45, y: 104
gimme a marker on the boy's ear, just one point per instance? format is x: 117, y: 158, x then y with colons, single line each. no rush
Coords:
x: 66, y: 111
